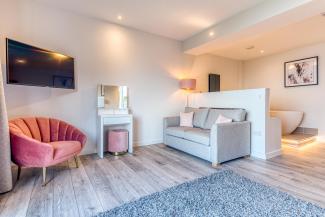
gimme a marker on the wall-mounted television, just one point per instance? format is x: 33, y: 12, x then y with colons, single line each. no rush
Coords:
x: 33, y: 66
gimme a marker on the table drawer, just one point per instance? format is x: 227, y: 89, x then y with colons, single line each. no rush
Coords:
x: 116, y: 120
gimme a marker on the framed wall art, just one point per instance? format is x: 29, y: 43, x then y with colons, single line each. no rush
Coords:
x: 303, y: 72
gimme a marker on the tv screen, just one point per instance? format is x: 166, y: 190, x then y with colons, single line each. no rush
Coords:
x: 28, y: 65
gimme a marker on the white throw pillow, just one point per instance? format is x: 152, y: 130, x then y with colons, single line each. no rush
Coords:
x: 186, y: 119
x: 222, y: 119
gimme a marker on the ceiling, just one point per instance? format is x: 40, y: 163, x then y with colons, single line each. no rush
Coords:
x: 176, y: 19
x: 306, y: 32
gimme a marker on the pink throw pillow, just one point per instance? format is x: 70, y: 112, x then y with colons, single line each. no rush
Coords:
x: 222, y: 119
x: 186, y: 119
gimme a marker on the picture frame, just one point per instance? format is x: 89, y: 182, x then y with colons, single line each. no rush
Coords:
x: 301, y: 72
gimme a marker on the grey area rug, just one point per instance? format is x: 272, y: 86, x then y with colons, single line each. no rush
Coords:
x: 224, y: 193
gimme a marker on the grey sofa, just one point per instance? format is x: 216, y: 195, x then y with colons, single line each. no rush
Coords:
x: 216, y: 143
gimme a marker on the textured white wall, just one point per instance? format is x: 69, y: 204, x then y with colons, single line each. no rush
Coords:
x: 104, y: 53
x: 230, y: 72
x: 268, y: 72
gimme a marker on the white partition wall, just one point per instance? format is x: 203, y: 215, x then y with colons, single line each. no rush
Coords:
x: 254, y: 101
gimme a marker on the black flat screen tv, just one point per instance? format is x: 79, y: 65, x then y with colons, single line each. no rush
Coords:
x: 33, y: 66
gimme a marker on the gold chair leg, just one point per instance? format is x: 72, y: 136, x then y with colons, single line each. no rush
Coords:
x: 18, y: 173
x: 76, y: 160
x: 44, y: 176
x: 216, y: 165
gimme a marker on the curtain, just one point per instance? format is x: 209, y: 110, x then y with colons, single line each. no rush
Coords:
x: 5, y: 156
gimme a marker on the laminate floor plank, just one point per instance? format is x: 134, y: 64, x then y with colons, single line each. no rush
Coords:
x: 301, y: 176
x: 155, y: 168
x: 3, y: 199
x: 292, y: 184
x: 188, y: 161
x: 133, y: 164
x: 280, y: 178
x: 19, y: 198
x: 87, y: 201
x: 176, y: 169
x: 64, y: 203
x: 41, y: 201
x: 100, y: 182
x: 151, y: 179
x: 277, y: 184
x: 129, y: 175
x: 119, y: 187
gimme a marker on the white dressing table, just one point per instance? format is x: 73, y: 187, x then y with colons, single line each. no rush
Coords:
x: 119, y: 121
x: 112, y: 113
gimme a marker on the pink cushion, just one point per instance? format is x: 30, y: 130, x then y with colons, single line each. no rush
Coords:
x: 222, y: 120
x: 186, y: 119
x: 63, y: 149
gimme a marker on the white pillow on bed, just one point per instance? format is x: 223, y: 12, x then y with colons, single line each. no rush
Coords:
x: 222, y: 120
x: 186, y: 119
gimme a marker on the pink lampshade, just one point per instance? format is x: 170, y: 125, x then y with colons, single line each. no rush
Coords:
x: 187, y: 84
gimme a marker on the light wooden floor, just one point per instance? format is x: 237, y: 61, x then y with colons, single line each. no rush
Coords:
x: 101, y: 184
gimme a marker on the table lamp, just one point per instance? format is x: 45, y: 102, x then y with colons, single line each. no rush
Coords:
x: 187, y: 84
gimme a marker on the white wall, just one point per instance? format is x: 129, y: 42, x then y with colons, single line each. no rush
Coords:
x: 104, y: 53
x: 273, y: 138
x: 230, y: 72
x: 268, y: 72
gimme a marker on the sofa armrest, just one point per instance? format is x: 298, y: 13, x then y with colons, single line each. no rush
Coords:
x: 30, y: 152
x: 230, y: 141
x: 171, y: 121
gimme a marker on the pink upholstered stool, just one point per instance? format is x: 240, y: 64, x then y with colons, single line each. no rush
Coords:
x: 118, y: 141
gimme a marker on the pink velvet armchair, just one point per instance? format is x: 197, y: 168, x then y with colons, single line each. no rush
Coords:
x: 43, y: 142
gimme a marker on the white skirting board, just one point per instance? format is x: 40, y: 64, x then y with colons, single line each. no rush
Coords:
x: 147, y: 142
x: 266, y: 156
x: 273, y: 154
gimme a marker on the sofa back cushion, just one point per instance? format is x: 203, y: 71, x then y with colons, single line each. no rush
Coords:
x: 235, y: 114
x: 200, y: 116
x: 45, y: 129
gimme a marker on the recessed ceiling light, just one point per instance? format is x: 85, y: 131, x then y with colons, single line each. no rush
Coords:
x: 119, y: 17
x: 262, y: 51
x: 211, y: 33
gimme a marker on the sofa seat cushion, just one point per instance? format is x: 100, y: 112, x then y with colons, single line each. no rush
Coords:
x: 198, y: 135
x: 65, y: 148
x: 177, y: 131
